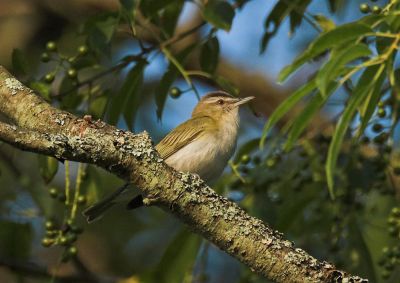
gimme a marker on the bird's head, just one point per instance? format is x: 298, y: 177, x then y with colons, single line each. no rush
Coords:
x: 219, y: 104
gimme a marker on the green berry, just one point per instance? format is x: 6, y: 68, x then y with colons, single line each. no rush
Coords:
x: 63, y: 241
x: 49, y: 78
x: 49, y: 225
x: 71, y: 60
x: 81, y: 200
x: 271, y: 162
x: 45, y: 57
x: 245, y: 159
x: 51, y: 233
x: 395, y: 210
x: 175, y: 92
x: 53, y: 192
x: 83, y: 50
x: 72, y: 251
x: 46, y: 242
x: 76, y: 229
x: 381, y: 113
x: 51, y: 46
x: 364, y: 8
x: 393, y: 231
x: 72, y: 73
x: 376, y: 9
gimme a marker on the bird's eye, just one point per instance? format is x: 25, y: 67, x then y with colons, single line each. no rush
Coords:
x: 220, y: 102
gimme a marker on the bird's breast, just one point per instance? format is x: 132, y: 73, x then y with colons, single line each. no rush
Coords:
x: 206, y: 156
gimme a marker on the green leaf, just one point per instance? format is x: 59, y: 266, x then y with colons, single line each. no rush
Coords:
x: 337, y: 61
x: 42, y: 89
x: 178, y: 259
x: 285, y: 106
x: 162, y: 89
x: 283, y: 8
x: 327, y: 40
x: 325, y: 23
x: 219, y: 13
x: 98, y: 106
x: 170, y: 17
x: 134, y: 99
x: 15, y: 240
x: 303, y: 119
x: 121, y: 100
x: 209, y: 55
x: 355, y: 101
x: 19, y: 62
x: 374, y: 94
x: 100, y: 30
x: 128, y: 4
x: 48, y: 167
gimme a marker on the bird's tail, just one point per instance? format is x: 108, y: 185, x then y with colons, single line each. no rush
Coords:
x: 96, y: 211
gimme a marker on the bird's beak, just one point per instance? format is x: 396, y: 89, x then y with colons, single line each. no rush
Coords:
x: 243, y: 100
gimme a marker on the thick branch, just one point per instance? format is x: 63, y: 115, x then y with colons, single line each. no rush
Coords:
x: 44, y: 129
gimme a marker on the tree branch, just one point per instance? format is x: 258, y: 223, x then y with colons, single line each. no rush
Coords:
x: 47, y: 130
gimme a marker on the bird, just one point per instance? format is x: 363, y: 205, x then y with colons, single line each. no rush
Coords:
x: 201, y: 145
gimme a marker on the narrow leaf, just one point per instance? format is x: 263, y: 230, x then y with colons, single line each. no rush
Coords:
x: 334, y: 148
x: 338, y: 60
x: 48, y: 167
x: 119, y: 102
x: 219, y: 13
x: 327, y: 40
x: 285, y: 106
x: 209, y: 55
x: 19, y: 62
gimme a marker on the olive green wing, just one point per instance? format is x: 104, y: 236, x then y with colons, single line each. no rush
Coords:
x: 183, y: 135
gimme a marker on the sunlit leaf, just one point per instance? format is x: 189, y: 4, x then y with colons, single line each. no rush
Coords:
x: 325, y: 23
x: 355, y: 101
x: 338, y: 60
x: 285, y: 106
x: 219, y: 13
x: 328, y: 40
x: 374, y: 94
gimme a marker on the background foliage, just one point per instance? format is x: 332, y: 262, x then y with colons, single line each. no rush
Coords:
x: 323, y: 170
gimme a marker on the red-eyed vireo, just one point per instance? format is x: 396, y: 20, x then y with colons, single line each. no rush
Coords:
x: 201, y: 145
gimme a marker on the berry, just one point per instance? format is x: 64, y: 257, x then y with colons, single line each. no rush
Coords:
x: 46, y: 242
x: 175, y: 92
x: 376, y: 9
x: 63, y: 241
x: 49, y: 225
x: 72, y: 251
x: 53, y: 192
x: 45, y: 57
x: 83, y: 50
x: 364, y: 8
x: 49, y: 78
x: 51, y: 46
x: 381, y: 113
x: 72, y: 73
x: 245, y: 159
x: 81, y: 200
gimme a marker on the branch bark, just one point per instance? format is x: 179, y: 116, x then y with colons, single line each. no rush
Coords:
x: 43, y: 129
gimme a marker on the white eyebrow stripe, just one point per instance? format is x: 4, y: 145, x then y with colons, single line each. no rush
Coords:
x: 215, y: 99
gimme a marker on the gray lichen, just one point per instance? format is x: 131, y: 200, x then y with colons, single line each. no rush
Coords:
x: 14, y: 85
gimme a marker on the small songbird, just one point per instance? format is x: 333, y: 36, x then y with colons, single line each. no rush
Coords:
x: 201, y: 145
